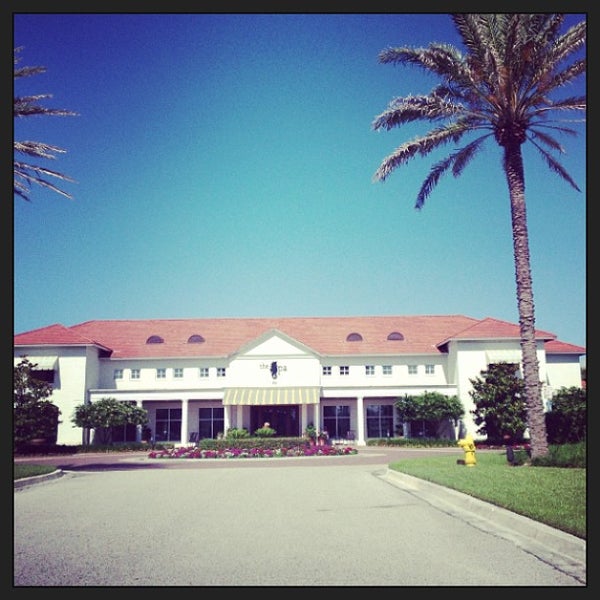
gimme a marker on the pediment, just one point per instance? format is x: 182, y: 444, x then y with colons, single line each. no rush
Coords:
x: 275, y: 343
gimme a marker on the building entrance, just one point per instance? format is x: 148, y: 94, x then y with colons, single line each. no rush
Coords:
x: 283, y: 419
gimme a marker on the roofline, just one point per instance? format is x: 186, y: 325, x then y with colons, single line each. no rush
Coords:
x: 62, y: 345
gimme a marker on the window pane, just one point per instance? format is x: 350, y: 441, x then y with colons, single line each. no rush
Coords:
x: 211, y: 422
x: 336, y: 420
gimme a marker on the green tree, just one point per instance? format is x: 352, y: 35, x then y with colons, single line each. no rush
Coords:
x: 34, y: 416
x: 499, y: 399
x: 501, y: 88
x: 26, y: 173
x: 566, y: 421
x: 106, y: 413
x: 429, y: 406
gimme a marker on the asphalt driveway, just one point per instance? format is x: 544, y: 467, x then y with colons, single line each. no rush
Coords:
x: 322, y: 521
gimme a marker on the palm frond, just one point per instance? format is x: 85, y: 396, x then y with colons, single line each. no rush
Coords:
x: 414, y: 108
x: 38, y: 149
x: 432, y: 180
x: 563, y: 77
x: 28, y: 106
x: 28, y: 71
x: 547, y: 140
x: 420, y: 145
x: 555, y: 166
x: 572, y: 41
x: 456, y: 161
x: 25, y: 174
x: 464, y: 156
x: 441, y: 59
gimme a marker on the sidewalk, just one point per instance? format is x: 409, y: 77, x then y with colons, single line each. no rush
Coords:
x: 566, y: 552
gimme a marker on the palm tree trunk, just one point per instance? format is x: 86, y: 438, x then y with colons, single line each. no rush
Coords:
x: 513, y: 167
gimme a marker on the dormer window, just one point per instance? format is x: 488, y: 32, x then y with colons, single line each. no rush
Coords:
x: 354, y: 337
x: 155, y: 339
x: 395, y: 335
x: 196, y: 339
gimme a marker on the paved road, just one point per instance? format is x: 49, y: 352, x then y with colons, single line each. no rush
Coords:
x: 324, y: 521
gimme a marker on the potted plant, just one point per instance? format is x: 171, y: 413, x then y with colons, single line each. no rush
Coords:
x: 322, y: 437
x: 310, y: 433
x: 265, y: 431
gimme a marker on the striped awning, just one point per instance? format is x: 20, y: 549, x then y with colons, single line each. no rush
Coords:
x: 271, y: 396
x: 44, y: 363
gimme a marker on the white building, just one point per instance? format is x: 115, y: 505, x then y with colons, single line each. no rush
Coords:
x: 199, y: 377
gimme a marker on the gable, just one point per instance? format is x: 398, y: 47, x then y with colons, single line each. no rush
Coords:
x: 274, y: 344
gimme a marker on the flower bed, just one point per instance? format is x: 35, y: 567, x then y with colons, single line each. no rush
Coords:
x: 195, y: 452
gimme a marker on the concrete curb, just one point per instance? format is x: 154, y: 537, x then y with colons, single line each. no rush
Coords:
x: 25, y: 481
x: 565, y: 551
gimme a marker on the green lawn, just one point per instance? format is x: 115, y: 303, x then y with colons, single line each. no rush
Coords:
x: 21, y: 470
x: 551, y: 495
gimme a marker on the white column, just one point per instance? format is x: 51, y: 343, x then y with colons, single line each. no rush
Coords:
x: 185, y: 434
x: 138, y: 428
x: 360, y: 421
x: 227, y: 418
x: 303, y: 418
x: 239, y: 417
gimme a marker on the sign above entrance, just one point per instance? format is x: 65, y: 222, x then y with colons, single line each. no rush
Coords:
x: 274, y: 368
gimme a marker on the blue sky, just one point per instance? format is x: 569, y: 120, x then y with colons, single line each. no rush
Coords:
x: 224, y: 168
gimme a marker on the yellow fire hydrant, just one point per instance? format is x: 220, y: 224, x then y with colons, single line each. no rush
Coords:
x: 468, y: 445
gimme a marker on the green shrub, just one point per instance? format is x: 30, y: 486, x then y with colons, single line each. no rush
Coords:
x: 235, y: 433
x: 272, y: 443
x: 265, y: 431
x: 566, y: 422
x: 416, y: 442
x: 564, y: 455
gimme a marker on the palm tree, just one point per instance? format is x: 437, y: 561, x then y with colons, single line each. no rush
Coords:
x: 501, y: 87
x: 24, y: 174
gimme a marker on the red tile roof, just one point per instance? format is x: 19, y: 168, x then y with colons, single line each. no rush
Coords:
x: 324, y: 335
x: 558, y: 347
x: 57, y: 335
x: 494, y: 329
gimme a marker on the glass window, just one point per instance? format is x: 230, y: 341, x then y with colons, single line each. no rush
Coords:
x: 168, y: 424
x: 395, y: 335
x: 203, y: 371
x: 336, y: 421
x: 326, y: 370
x: 178, y: 372
x: 118, y: 373
x: 369, y: 370
x: 387, y: 369
x: 155, y: 339
x: 135, y: 373
x: 380, y: 420
x: 43, y: 375
x: 429, y: 369
x: 412, y: 369
x: 344, y: 370
x: 211, y: 422
x: 221, y: 371
x: 354, y: 337
x: 161, y: 373
x: 195, y: 339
